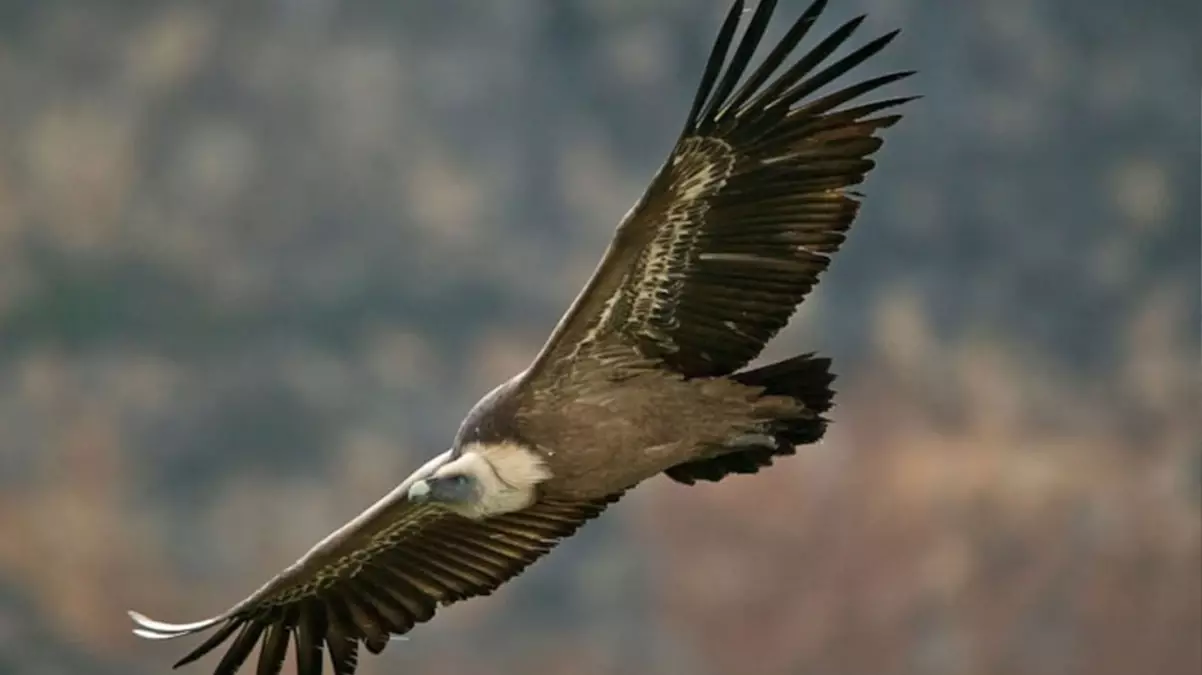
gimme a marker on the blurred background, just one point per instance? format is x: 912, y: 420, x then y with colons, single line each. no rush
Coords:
x: 258, y: 258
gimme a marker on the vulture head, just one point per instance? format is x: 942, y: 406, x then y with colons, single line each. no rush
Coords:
x: 484, y: 480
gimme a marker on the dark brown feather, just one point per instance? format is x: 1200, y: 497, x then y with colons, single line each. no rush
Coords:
x: 240, y: 648
x: 342, y: 639
x: 274, y: 648
x: 219, y: 636
x: 344, y: 653
x: 310, y: 636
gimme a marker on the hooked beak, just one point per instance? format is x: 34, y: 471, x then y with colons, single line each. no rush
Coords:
x: 419, y: 492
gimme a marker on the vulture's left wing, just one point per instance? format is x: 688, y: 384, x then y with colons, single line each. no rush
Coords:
x: 378, y: 576
x: 745, y: 214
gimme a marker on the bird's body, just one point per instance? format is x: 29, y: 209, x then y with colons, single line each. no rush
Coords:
x: 604, y: 431
x: 645, y: 374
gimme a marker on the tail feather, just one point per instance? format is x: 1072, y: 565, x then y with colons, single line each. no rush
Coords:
x: 804, y: 378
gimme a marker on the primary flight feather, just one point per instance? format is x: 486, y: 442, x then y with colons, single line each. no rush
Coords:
x: 643, y: 374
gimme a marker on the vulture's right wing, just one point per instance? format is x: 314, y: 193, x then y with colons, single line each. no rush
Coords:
x: 378, y: 576
x: 744, y: 216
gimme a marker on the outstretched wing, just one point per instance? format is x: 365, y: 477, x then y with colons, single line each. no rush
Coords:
x: 383, y: 573
x: 738, y: 224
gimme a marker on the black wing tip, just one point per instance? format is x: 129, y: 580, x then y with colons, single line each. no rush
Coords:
x: 714, y: 97
x: 707, y: 104
x: 189, y: 658
x: 715, y: 62
x: 887, y: 121
x: 748, y: 44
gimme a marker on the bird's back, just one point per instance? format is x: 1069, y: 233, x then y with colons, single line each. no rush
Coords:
x: 605, y: 434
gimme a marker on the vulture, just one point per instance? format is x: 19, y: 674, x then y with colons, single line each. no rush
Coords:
x: 645, y: 374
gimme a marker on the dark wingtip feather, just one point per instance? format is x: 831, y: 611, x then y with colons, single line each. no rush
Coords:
x: 273, y: 649
x: 753, y: 99
x: 738, y: 64
x: 309, y: 638
x: 834, y: 71
x: 213, y: 641
x: 796, y: 32
x: 714, y: 65
x: 344, y: 653
x: 240, y: 648
x: 375, y: 645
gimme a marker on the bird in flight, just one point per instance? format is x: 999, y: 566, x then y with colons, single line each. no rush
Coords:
x: 645, y: 373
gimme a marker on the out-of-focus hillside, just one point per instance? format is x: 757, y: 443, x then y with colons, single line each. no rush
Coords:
x: 257, y: 259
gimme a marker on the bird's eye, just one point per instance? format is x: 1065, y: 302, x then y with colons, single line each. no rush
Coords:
x: 457, y: 479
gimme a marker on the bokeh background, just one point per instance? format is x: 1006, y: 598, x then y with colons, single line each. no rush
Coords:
x: 258, y: 258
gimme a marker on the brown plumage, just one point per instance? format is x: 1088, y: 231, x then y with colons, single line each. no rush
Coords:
x: 641, y: 376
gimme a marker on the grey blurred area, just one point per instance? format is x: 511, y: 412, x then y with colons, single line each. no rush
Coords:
x: 258, y: 258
